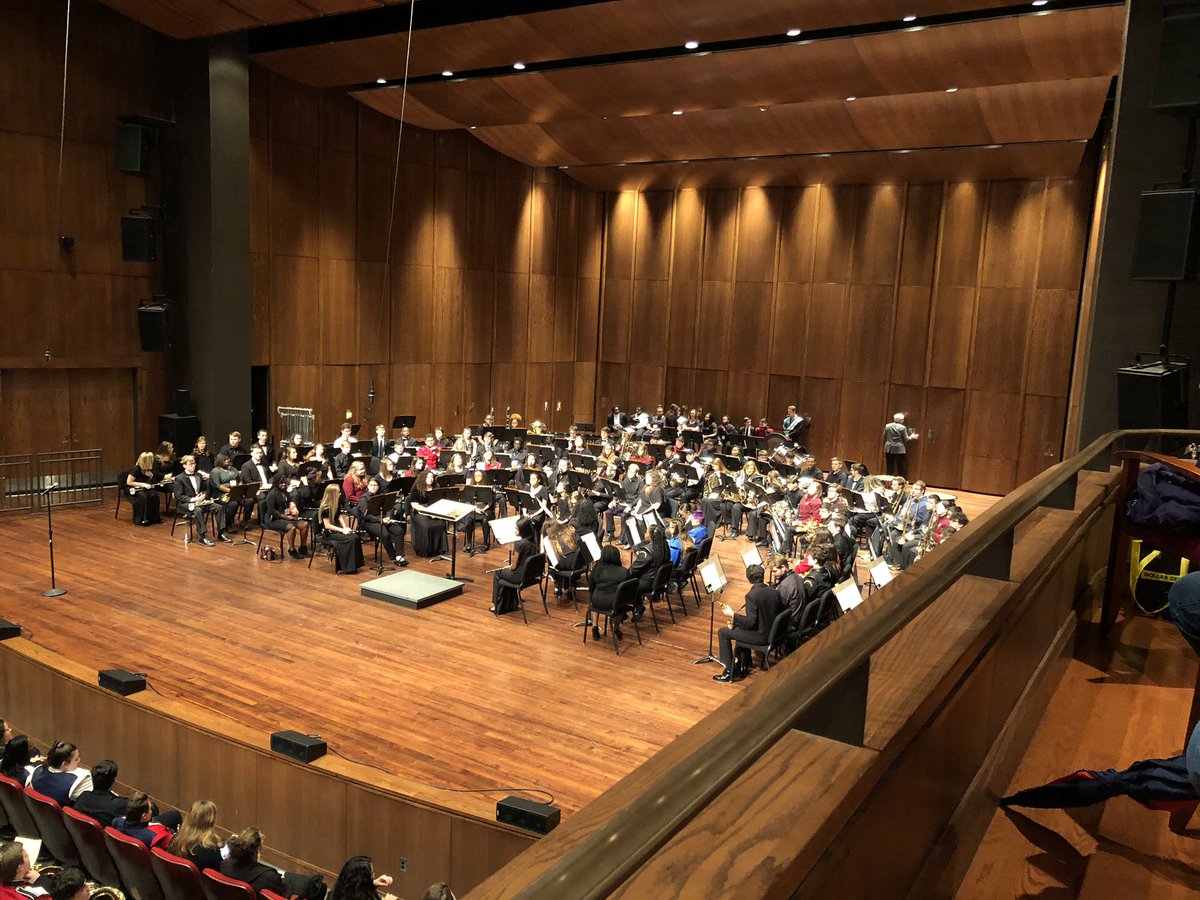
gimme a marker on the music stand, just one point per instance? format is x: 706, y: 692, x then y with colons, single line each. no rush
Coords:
x: 404, y: 421
x: 375, y: 507
x: 712, y: 573
x: 451, y: 512
x: 238, y: 493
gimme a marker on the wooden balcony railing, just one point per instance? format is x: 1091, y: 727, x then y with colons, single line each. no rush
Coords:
x: 890, y: 723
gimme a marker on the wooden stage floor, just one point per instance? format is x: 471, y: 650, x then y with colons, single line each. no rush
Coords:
x: 448, y: 696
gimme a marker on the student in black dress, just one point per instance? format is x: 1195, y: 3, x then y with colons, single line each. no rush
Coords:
x: 646, y: 561
x: 289, y: 463
x: 485, y: 511
x: 563, y: 538
x: 505, y: 581
x: 428, y: 535
x: 606, y: 577
x: 583, y: 514
x: 197, y: 839
x: 335, y: 524
x: 143, y: 495
x: 388, y: 530
x: 204, y: 455
x: 282, y: 515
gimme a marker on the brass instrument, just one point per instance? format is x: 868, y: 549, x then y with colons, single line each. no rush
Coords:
x: 926, y: 543
x: 712, y: 483
x: 736, y: 495
x: 107, y: 893
x: 537, y: 427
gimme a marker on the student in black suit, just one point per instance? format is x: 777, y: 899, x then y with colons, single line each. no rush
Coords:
x: 194, y: 487
x: 256, y: 470
x: 763, y: 604
x: 233, y: 446
x: 379, y: 446
x: 263, y: 441
x: 101, y: 803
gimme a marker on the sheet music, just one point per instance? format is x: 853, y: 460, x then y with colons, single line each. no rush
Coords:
x: 650, y: 518
x: 713, y: 575
x: 505, y: 530
x: 634, y: 531
x: 446, y: 509
x: 880, y: 573
x: 592, y: 545
x: 33, y: 846
x: 549, y: 551
x: 847, y: 594
x: 751, y: 556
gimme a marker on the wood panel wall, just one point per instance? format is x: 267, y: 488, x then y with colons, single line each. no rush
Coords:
x: 955, y: 303
x: 96, y: 388
x: 491, y: 294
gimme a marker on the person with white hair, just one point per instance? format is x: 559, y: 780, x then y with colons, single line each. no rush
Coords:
x: 896, y: 436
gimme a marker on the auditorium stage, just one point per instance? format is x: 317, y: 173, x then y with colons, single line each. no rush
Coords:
x: 446, y: 696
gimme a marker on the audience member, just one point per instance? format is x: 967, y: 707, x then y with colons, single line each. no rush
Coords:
x: 243, y: 865
x: 101, y: 802
x: 18, y: 759
x: 70, y: 884
x: 358, y: 881
x: 60, y: 777
x: 136, y: 822
x: 438, y: 891
x: 197, y: 839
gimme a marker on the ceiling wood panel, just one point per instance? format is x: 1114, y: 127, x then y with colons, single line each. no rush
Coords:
x: 978, y: 54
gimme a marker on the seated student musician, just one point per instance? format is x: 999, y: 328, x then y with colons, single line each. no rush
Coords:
x: 233, y: 447
x: 647, y: 559
x: 60, y: 778
x: 343, y: 457
x: 289, y: 461
x: 256, y: 470
x: 380, y: 445
x: 763, y: 604
x: 387, y: 526
x: 196, y: 493
x: 204, y: 456
x: 143, y: 495
x: 354, y: 484
x: 282, y: 515
x: 428, y: 535
x: 429, y: 451
x: 565, y: 542
x: 335, y: 525
x: 583, y: 514
x: 506, y: 581
x: 605, y: 578
x: 485, y: 510
x: 262, y: 440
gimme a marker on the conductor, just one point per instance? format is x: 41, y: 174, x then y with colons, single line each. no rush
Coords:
x: 763, y: 604
x: 896, y: 436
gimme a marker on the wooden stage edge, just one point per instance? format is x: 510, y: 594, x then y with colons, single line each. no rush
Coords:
x: 431, y: 703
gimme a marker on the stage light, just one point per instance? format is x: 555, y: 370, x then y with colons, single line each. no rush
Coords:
x: 691, y: 45
x: 793, y: 32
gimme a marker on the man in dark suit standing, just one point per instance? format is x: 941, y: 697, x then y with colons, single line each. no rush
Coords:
x: 896, y: 436
x: 763, y: 604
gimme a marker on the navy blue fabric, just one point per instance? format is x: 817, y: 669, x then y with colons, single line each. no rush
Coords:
x: 1165, y: 498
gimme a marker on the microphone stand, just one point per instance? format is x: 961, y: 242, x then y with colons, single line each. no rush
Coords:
x: 712, y: 606
x: 54, y: 590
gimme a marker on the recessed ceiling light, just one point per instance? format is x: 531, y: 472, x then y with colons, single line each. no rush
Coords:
x: 762, y: 109
x: 381, y: 81
x: 852, y: 98
x: 1040, y: 2
x: 903, y: 151
x: 951, y: 90
x: 691, y: 45
x: 564, y: 167
x: 993, y: 146
x: 447, y: 73
x: 824, y: 155
x: 518, y: 65
x: 793, y: 32
x: 677, y: 112
x: 910, y: 18
x: 473, y: 127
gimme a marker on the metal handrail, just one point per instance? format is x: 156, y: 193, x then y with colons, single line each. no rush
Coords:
x: 598, y: 863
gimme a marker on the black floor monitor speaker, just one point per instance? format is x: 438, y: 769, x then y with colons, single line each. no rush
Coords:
x: 9, y: 630
x: 304, y: 747
x: 133, y: 148
x: 139, y: 238
x: 154, y: 328
x: 1177, y: 83
x: 181, y: 431
x: 1153, y: 395
x: 1167, y: 244
x: 121, y: 682
x: 539, y: 817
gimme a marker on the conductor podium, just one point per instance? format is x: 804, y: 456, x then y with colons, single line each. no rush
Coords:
x: 414, y: 590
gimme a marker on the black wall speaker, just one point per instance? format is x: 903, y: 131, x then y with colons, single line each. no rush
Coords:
x: 1177, y: 83
x: 1166, y: 245
x: 183, y: 402
x: 139, y: 238
x: 539, y: 817
x: 1154, y: 395
x: 133, y: 148
x: 304, y: 747
x: 121, y: 682
x: 154, y: 328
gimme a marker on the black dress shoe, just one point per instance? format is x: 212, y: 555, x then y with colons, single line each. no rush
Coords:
x: 206, y: 542
x: 724, y: 676
x: 224, y: 538
x: 595, y: 632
